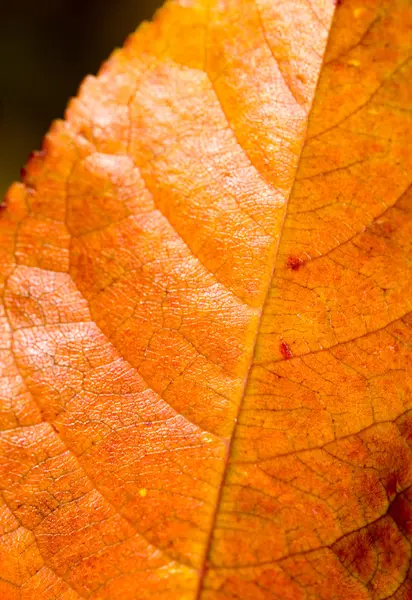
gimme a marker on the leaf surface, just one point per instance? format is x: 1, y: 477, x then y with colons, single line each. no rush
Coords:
x: 205, y: 279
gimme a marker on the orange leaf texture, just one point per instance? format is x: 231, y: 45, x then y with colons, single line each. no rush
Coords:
x: 206, y: 320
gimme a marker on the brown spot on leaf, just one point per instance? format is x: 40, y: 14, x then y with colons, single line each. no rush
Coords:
x: 294, y: 263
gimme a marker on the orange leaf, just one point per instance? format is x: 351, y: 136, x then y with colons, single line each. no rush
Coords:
x: 206, y: 349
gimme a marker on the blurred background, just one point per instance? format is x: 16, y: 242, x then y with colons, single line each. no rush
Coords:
x: 46, y: 49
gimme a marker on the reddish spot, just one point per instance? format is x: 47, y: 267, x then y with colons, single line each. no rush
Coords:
x: 27, y: 170
x: 392, y: 486
x: 354, y: 552
x: 401, y: 512
x: 294, y: 263
x: 285, y: 350
x: 338, y: 2
x: 23, y: 174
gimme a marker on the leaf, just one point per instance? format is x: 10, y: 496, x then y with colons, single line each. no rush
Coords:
x: 206, y: 316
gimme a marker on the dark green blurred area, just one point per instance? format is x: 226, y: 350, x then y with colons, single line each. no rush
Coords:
x: 46, y: 49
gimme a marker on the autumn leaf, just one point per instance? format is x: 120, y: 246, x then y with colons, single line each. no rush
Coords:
x: 206, y: 334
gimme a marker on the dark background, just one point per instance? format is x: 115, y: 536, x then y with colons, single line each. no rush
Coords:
x: 46, y: 49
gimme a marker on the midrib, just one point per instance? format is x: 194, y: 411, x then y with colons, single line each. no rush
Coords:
x: 229, y: 446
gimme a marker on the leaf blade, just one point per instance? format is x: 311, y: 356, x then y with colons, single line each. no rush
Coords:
x: 146, y: 399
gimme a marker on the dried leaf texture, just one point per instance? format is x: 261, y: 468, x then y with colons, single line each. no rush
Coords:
x: 205, y: 359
